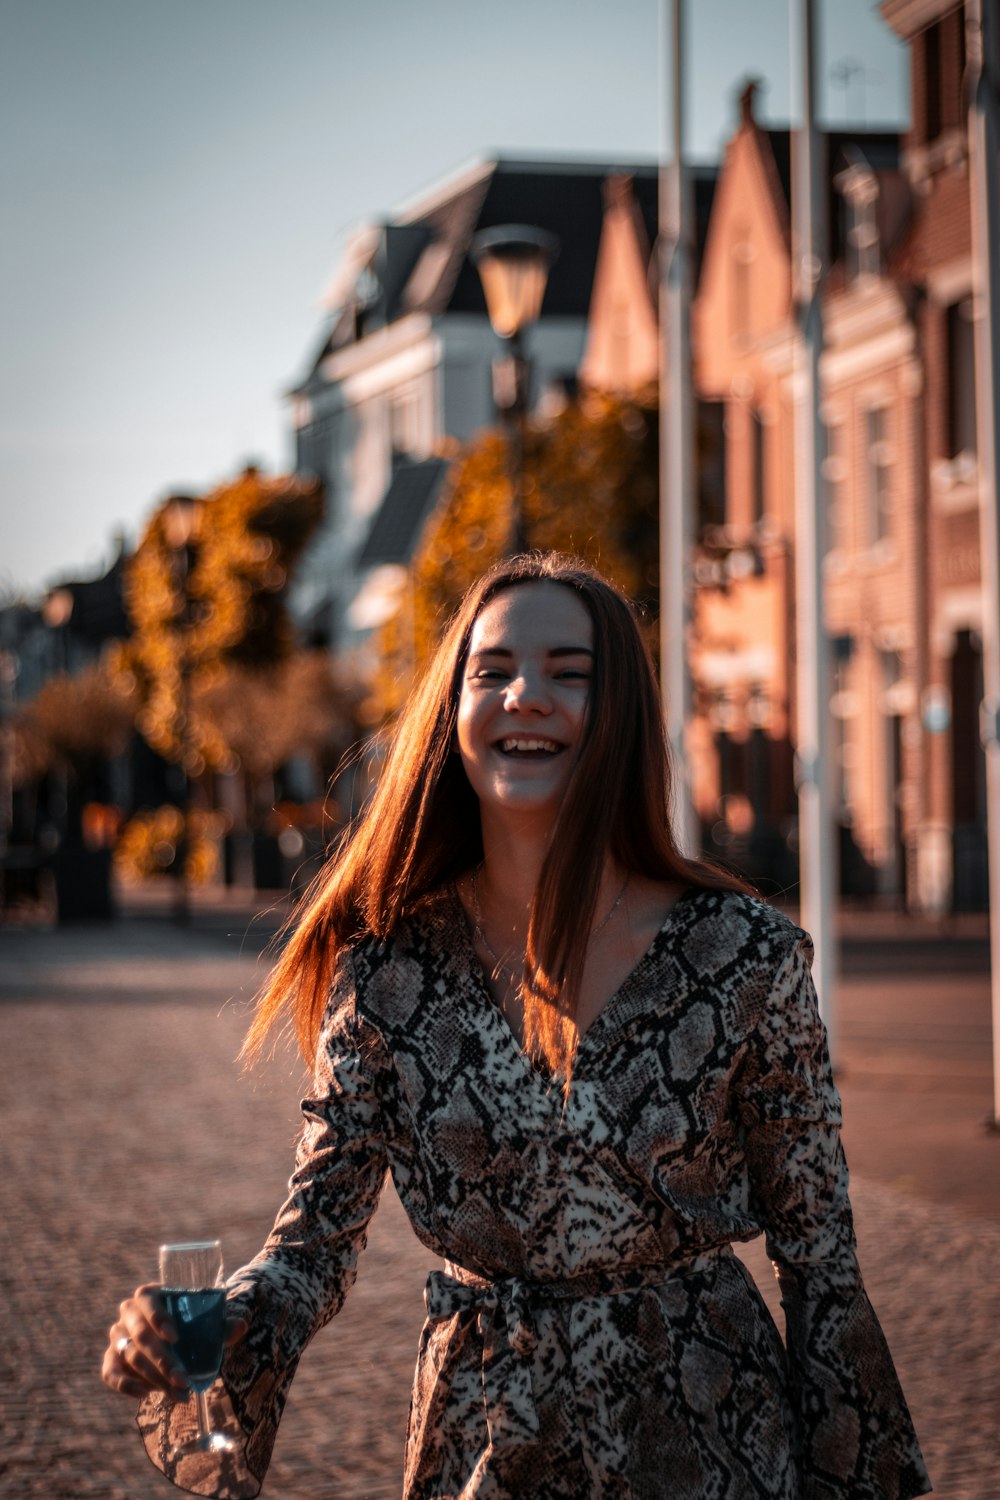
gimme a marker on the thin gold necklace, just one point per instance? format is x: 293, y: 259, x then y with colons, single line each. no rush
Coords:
x: 502, y: 964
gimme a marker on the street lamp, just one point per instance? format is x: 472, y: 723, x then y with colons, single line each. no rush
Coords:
x: 181, y: 524
x: 57, y: 608
x: 513, y: 261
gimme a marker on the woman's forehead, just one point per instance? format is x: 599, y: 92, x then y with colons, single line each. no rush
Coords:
x: 543, y: 613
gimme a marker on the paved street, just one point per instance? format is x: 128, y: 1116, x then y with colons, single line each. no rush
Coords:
x: 125, y: 1122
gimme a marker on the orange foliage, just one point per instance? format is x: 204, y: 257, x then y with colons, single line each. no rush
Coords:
x: 148, y: 843
x: 592, y: 486
x: 73, y: 722
x: 229, y: 608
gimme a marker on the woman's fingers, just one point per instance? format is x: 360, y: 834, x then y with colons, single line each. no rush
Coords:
x: 147, y: 1302
x: 118, y: 1375
x: 127, y: 1370
x: 139, y: 1358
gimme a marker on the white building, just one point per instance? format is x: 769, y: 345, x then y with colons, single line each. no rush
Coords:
x: 406, y: 362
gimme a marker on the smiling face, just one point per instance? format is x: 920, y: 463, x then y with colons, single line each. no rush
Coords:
x: 522, y: 711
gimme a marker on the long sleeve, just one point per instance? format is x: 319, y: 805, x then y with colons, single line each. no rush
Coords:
x: 856, y: 1439
x: 300, y: 1278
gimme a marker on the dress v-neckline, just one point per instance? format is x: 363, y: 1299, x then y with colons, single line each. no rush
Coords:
x: 604, y: 1017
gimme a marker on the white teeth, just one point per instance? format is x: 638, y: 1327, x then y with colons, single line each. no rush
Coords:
x: 525, y: 744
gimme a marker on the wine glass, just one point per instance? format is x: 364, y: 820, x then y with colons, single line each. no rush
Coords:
x: 195, y: 1300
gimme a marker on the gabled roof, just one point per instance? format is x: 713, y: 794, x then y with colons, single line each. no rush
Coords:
x: 879, y: 150
x: 421, y: 258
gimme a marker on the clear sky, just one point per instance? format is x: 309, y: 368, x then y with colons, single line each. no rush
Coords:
x: 177, y: 179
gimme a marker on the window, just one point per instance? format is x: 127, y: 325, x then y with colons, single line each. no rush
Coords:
x: 367, y: 295
x: 856, y: 226
x: 931, y: 78
x: 740, y: 308
x: 833, y: 471
x: 843, y: 706
x: 757, y: 469
x: 710, y: 457
x: 961, y: 379
x: 843, y: 653
x: 404, y: 422
x: 878, y: 471
x: 862, y: 227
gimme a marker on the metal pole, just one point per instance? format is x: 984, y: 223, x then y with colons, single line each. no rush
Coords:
x: 984, y: 153
x: 676, y: 430
x: 182, y: 893
x: 517, y: 418
x: 817, y: 856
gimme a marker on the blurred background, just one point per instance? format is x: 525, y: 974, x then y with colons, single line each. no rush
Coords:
x: 233, y: 518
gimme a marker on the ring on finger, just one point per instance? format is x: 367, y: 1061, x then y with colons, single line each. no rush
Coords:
x: 122, y: 1344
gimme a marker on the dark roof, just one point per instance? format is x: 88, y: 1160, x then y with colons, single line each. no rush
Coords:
x: 405, y: 506
x: 568, y: 204
x: 422, y: 263
x: 879, y: 150
x: 98, y: 613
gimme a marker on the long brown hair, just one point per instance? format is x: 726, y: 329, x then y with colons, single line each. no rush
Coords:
x: 420, y: 829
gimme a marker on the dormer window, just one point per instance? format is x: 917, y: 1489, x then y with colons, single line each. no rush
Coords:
x: 366, y: 295
x: 859, y: 188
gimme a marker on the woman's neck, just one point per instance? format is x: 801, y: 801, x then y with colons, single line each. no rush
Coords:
x: 505, y: 886
x: 512, y: 863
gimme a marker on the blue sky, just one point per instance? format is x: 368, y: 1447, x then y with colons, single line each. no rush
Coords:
x: 178, y: 179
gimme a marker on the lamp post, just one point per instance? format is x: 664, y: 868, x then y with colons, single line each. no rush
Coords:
x: 513, y: 261
x: 9, y: 668
x: 181, y: 523
x: 57, y: 611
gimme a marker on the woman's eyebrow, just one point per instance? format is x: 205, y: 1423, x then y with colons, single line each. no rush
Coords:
x: 505, y: 651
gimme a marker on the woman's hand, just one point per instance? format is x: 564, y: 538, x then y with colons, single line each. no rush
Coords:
x: 139, y: 1358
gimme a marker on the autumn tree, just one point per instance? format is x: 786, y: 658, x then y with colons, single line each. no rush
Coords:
x: 591, y: 488
x: 215, y: 606
x: 73, y: 724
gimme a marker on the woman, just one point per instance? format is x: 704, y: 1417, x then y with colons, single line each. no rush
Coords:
x: 590, y: 1065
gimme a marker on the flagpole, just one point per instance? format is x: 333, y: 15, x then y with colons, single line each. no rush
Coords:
x: 676, y: 428
x: 817, y: 854
x: 984, y: 154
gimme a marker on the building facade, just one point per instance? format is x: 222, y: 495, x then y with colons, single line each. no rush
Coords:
x: 903, y: 594
x: 406, y: 367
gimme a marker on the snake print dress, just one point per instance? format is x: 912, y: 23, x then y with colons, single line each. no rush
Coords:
x: 592, y: 1333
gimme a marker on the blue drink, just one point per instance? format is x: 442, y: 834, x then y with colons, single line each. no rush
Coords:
x: 199, y: 1315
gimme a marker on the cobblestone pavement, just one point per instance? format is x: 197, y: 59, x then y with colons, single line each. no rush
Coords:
x: 125, y: 1122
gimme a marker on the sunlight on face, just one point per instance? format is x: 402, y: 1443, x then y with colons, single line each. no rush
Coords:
x: 522, y: 711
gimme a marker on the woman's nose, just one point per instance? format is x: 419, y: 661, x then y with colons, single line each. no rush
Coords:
x: 527, y: 691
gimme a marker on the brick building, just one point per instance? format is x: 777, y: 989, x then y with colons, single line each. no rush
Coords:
x: 903, y: 596
x: 936, y: 267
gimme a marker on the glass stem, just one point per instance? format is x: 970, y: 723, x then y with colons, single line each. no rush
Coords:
x: 201, y: 1397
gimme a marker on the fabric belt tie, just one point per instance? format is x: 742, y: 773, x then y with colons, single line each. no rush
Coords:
x: 508, y: 1340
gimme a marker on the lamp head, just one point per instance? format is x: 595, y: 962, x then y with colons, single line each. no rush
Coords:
x: 513, y: 261
x: 181, y: 519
